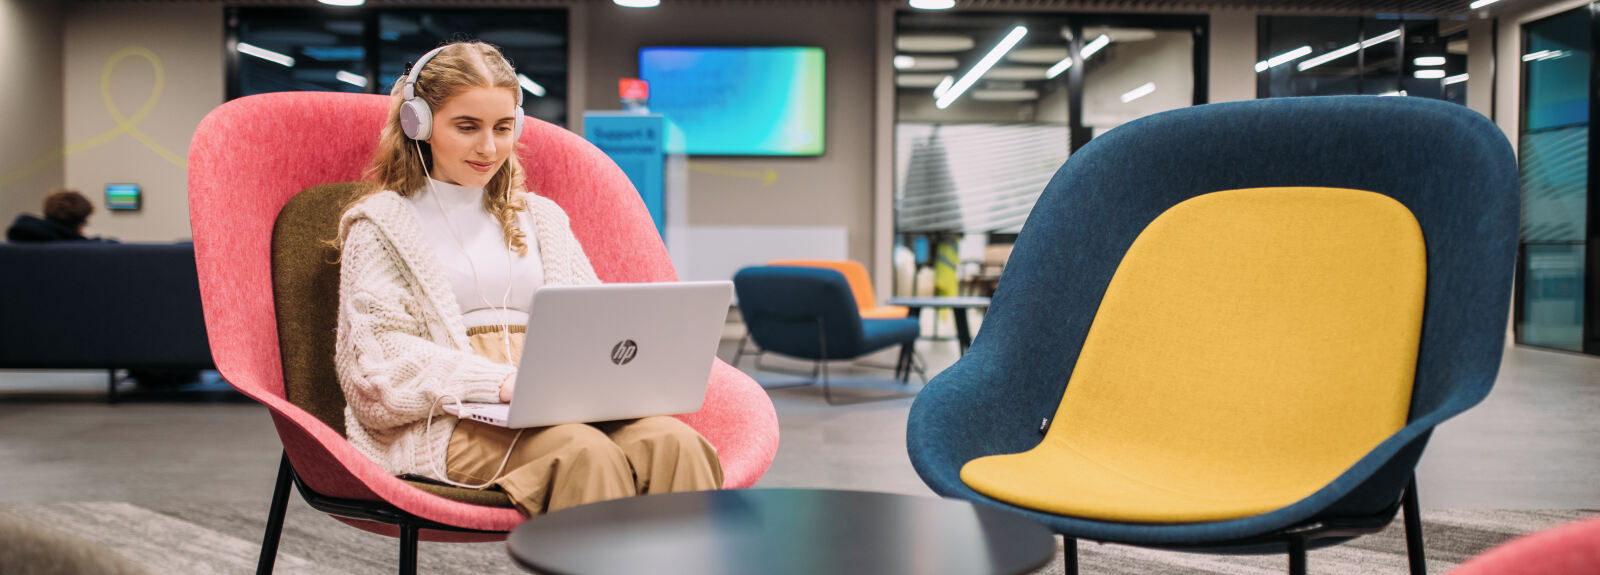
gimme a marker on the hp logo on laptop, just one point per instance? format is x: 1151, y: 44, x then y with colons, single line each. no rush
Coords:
x: 624, y: 352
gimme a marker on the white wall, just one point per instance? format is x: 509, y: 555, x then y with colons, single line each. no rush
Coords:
x: 186, y: 40
x: 31, y: 109
x: 1233, y: 56
x: 831, y: 191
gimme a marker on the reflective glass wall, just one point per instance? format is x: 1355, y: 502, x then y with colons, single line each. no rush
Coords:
x: 1554, y: 153
x: 989, y: 106
x: 1382, y: 55
x: 366, y: 49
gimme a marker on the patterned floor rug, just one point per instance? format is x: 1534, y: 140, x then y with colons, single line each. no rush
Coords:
x: 226, y: 539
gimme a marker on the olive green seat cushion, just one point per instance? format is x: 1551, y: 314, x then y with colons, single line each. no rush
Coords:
x: 305, y: 293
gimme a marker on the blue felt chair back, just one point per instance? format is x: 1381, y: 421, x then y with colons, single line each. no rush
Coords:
x: 1450, y: 166
x: 781, y: 306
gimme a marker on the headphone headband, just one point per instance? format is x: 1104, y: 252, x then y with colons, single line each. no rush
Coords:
x: 416, y: 70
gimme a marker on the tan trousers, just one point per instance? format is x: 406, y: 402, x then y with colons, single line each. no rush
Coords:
x: 560, y: 466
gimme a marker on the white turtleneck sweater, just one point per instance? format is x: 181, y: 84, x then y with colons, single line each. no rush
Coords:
x: 458, y: 228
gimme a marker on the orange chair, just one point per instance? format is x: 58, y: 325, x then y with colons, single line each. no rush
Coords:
x: 855, y: 274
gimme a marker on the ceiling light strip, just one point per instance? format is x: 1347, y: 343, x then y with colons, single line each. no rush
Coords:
x: 1282, y: 59
x: 265, y: 54
x: 531, y: 86
x: 1095, y: 45
x: 351, y: 78
x: 1139, y: 92
x: 982, y: 67
x: 1347, y: 50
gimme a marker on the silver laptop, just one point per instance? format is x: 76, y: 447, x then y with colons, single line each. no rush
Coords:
x: 613, y: 351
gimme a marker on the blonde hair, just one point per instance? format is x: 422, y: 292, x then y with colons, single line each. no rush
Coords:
x: 397, y: 165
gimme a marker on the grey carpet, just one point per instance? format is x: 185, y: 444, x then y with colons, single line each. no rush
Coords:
x: 203, y: 538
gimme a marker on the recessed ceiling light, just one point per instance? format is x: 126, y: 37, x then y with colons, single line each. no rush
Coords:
x: 343, y: 2
x: 925, y: 63
x: 1429, y: 61
x: 637, y: 3
x: 918, y: 80
x: 933, y: 43
x: 1017, y: 73
x: 1038, y: 54
x: 933, y: 4
x: 1433, y: 74
x: 1005, y: 95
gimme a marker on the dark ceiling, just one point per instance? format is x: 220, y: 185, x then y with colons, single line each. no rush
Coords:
x: 1275, y: 6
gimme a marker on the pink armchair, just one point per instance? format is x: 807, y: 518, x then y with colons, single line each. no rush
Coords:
x: 251, y: 155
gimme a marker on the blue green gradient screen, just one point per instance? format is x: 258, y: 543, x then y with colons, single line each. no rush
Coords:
x: 739, y: 101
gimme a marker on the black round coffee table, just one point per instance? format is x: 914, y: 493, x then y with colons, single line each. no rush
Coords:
x: 780, y: 531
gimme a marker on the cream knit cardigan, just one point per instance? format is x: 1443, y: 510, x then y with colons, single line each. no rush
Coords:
x: 401, y: 350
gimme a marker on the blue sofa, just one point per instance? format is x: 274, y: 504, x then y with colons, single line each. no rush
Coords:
x: 90, y: 305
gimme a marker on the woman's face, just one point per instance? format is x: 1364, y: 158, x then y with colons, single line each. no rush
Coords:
x: 472, y: 135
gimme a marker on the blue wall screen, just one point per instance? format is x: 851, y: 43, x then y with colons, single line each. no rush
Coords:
x: 739, y: 101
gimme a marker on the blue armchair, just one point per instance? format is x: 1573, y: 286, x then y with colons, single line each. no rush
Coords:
x: 1233, y: 327
x: 811, y: 313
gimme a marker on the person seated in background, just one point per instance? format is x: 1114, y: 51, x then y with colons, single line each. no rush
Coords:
x: 66, y: 212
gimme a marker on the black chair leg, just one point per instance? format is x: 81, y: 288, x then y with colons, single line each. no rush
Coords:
x: 111, y: 387
x: 408, y: 549
x: 1297, y: 557
x: 739, y: 353
x: 280, y: 503
x: 1415, y: 554
x: 1069, y: 555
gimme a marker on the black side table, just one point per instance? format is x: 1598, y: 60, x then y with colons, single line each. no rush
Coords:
x: 914, y: 305
x: 781, y: 531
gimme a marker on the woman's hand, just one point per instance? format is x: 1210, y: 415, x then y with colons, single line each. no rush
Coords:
x: 507, y: 387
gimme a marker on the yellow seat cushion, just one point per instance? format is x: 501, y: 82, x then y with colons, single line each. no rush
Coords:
x: 1251, y: 346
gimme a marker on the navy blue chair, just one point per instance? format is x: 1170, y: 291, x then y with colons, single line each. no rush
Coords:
x: 1230, y: 240
x: 811, y: 313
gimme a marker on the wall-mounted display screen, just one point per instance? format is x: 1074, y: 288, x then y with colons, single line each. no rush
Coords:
x: 739, y: 101
x: 122, y: 196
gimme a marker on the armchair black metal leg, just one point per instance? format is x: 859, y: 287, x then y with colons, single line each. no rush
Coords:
x: 1069, y: 555
x: 1297, y: 556
x: 111, y: 386
x: 902, y: 368
x: 1416, y: 555
x: 280, y: 503
x: 739, y: 353
x: 822, y: 362
x: 408, y: 549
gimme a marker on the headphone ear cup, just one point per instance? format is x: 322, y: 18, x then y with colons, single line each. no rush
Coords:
x: 416, y: 119
x: 516, y: 126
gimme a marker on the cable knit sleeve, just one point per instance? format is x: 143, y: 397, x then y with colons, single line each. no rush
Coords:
x: 391, y: 369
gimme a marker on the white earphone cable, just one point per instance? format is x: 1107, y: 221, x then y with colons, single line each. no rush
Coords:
x: 503, y: 311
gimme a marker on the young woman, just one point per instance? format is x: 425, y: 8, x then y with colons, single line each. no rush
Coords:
x: 439, y: 264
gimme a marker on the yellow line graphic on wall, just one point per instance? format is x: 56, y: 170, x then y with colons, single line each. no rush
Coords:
x: 767, y: 177
x: 125, y: 124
